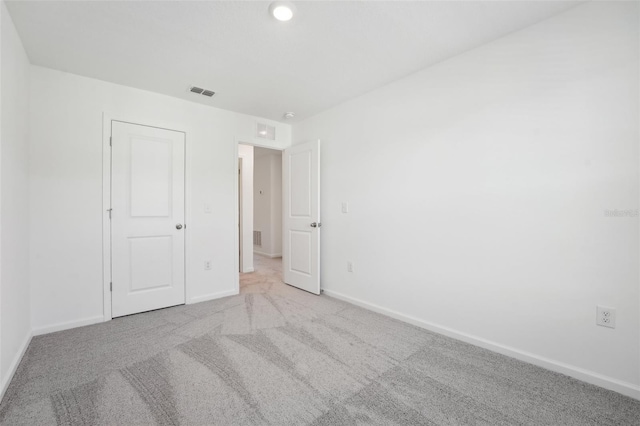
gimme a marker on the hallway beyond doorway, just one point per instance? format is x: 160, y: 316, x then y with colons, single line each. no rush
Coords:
x: 267, y: 273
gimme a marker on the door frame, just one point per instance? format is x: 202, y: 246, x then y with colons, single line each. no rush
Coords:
x: 240, y: 213
x: 106, y: 199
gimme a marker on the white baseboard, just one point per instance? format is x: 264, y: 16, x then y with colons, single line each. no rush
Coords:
x: 67, y: 325
x: 213, y: 296
x: 269, y: 255
x: 625, y: 388
x: 247, y: 270
x: 14, y: 364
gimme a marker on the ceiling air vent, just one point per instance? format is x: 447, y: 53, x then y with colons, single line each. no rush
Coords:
x: 201, y: 91
x: 266, y: 132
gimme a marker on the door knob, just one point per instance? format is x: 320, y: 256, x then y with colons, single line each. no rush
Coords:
x: 316, y: 225
x: 179, y: 226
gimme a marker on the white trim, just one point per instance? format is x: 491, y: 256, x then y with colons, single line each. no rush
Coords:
x: 240, y: 203
x: 106, y: 226
x: 245, y: 227
x: 14, y: 364
x: 269, y: 255
x: 213, y: 296
x: 625, y: 388
x: 236, y: 209
x: 61, y: 326
x: 188, y: 224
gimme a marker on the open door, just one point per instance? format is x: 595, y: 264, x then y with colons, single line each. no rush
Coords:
x: 301, y: 216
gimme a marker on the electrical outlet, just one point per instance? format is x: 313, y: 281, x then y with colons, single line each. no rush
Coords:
x: 349, y: 266
x: 207, y: 265
x: 207, y: 208
x: 606, y: 317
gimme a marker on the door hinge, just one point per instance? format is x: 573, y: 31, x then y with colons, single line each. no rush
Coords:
x: 110, y: 140
x: 110, y: 286
x: 109, y: 210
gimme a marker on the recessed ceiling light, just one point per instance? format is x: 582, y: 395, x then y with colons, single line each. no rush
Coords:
x: 281, y: 10
x: 288, y: 115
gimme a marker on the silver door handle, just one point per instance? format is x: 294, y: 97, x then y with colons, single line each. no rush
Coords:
x: 316, y: 224
x: 178, y: 226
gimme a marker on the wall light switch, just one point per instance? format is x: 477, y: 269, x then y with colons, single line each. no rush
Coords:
x: 208, y: 208
x: 345, y: 207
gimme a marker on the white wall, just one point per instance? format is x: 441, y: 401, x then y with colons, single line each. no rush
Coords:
x: 477, y: 191
x: 267, y: 195
x: 66, y: 190
x: 245, y: 152
x: 15, y: 321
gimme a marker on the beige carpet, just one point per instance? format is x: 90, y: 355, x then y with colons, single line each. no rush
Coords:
x: 277, y: 355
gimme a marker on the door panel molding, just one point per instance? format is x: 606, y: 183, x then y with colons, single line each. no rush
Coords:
x: 107, y: 120
x: 301, y: 216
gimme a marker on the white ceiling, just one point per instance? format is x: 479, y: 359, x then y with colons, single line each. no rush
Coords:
x: 330, y: 52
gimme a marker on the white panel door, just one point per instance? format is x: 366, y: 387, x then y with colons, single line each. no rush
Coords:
x: 147, y: 218
x: 301, y: 218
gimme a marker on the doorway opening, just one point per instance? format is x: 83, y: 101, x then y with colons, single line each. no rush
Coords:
x: 260, y: 215
x: 299, y: 218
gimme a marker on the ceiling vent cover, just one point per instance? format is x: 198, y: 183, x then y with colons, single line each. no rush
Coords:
x: 265, y: 131
x: 201, y: 91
